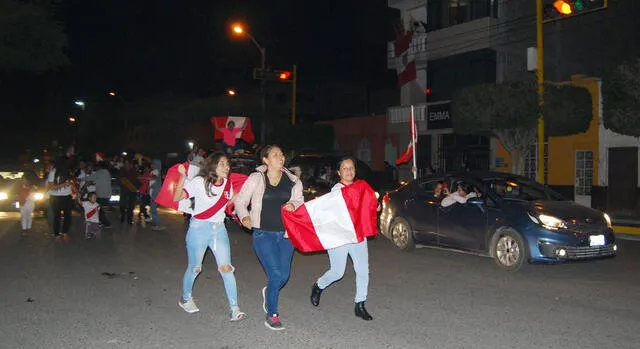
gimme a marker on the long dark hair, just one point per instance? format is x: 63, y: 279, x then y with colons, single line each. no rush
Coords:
x: 63, y: 173
x: 208, y: 171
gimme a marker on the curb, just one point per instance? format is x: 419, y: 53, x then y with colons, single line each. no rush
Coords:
x: 622, y: 229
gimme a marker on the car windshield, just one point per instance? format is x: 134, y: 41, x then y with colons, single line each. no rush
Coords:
x: 522, y: 189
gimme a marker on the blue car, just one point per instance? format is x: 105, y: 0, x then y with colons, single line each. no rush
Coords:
x: 510, y: 218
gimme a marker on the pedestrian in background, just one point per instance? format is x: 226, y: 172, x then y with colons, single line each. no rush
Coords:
x: 27, y: 203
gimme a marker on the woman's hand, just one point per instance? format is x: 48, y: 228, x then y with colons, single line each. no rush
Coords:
x: 182, y: 170
x: 289, y: 207
x: 246, y: 222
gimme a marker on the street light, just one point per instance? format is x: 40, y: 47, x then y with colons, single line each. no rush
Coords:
x: 190, y: 144
x: 231, y: 92
x: 239, y: 29
x: 72, y: 119
x: 111, y: 93
x: 79, y: 103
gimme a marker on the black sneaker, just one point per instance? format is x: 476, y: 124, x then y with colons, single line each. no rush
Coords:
x: 273, y: 322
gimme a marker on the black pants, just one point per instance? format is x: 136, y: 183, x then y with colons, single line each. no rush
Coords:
x: 62, y: 206
x: 104, y: 203
x: 127, y: 203
x: 145, y: 200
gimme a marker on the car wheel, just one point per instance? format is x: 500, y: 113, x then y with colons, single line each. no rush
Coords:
x: 402, y: 235
x: 509, y: 250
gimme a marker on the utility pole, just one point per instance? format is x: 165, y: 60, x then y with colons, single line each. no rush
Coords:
x: 540, y: 79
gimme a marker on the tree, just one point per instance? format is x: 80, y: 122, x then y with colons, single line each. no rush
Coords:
x: 30, y: 39
x: 510, y: 112
x: 621, y: 99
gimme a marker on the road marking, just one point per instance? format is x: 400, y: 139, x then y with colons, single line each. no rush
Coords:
x: 626, y: 230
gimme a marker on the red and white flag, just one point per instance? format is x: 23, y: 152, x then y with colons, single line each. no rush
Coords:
x: 410, y: 151
x: 335, y: 219
x: 100, y: 157
x: 406, y: 65
x: 239, y: 121
x: 165, y: 196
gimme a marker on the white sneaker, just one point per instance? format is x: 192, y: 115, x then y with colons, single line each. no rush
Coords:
x: 264, y: 299
x: 189, y: 305
x: 236, y: 314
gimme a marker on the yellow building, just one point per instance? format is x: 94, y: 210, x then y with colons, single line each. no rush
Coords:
x: 598, y: 168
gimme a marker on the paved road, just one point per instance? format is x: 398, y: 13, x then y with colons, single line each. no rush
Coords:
x: 55, y: 295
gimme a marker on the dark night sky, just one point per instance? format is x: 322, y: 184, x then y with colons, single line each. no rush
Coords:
x: 184, y: 47
x: 147, y: 49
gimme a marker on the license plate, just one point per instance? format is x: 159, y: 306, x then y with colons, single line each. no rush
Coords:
x: 596, y: 240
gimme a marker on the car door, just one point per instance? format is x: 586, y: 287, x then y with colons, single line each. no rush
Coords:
x: 462, y: 225
x: 424, y: 211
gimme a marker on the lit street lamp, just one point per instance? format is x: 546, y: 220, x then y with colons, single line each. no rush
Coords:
x: 238, y: 29
x: 231, y: 92
x: 190, y: 144
x: 72, y: 119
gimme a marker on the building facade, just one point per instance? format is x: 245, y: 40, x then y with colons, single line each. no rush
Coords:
x: 453, y: 45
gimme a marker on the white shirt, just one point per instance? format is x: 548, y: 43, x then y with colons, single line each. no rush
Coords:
x: 63, y: 191
x: 194, y: 188
x: 455, y: 197
x: 89, y: 206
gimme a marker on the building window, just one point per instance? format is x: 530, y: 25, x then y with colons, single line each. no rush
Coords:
x: 446, y: 13
x: 584, y: 172
x: 364, y: 151
x: 531, y: 162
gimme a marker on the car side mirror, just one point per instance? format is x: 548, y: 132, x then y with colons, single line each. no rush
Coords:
x: 475, y: 201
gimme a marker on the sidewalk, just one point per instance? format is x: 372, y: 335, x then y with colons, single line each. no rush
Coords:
x: 626, y: 227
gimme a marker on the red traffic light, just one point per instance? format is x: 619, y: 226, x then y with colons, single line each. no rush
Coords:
x: 284, y: 75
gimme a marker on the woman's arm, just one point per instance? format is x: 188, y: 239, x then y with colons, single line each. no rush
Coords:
x: 179, y: 194
x: 243, y: 198
x: 297, y: 198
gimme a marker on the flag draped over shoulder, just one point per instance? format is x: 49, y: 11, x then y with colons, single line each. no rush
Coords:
x: 239, y: 121
x: 165, y: 196
x: 335, y: 219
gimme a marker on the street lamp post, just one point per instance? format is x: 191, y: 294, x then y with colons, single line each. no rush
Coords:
x: 540, y: 79
x: 239, y: 29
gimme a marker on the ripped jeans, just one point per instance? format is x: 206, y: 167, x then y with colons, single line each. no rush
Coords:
x: 200, y: 236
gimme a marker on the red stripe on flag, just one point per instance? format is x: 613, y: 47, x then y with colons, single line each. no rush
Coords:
x: 300, y: 229
x: 92, y: 212
x: 362, y: 205
x: 408, y: 74
x: 165, y: 196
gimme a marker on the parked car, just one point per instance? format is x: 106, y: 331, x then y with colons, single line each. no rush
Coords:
x: 318, y: 173
x: 10, y: 183
x: 514, y: 220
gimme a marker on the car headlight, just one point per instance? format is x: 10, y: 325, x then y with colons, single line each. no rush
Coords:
x: 38, y: 196
x: 3, y: 196
x: 551, y: 222
x: 607, y: 219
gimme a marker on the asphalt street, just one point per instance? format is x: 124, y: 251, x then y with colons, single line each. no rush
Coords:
x: 121, y: 291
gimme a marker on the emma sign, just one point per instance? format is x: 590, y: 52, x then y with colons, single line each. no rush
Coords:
x: 438, y: 116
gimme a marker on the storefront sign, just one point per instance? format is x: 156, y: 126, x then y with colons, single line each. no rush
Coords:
x: 439, y: 117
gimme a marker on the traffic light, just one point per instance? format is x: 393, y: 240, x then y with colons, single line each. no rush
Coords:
x: 272, y: 75
x: 558, y: 9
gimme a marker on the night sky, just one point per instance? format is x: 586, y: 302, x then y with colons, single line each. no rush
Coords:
x: 184, y: 47
x: 150, y: 49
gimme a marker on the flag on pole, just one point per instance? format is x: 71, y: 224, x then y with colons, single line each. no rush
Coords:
x: 335, y: 219
x: 100, y: 157
x: 410, y: 152
x: 239, y: 121
x: 406, y: 65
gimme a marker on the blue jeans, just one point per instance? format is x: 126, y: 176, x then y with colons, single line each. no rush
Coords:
x: 338, y: 259
x: 155, y: 218
x: 275, y: 253
x: 203, y: 234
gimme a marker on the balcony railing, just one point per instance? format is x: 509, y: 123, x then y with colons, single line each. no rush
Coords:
x: 418, y: 45
x: 402, y: 114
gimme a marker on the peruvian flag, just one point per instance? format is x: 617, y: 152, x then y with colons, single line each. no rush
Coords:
x: 335, y: 219
x: 239, y: 121
x: 408, y: 153
x: 406, y: 65
x: 100, y: 157
x: 165, y: 196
